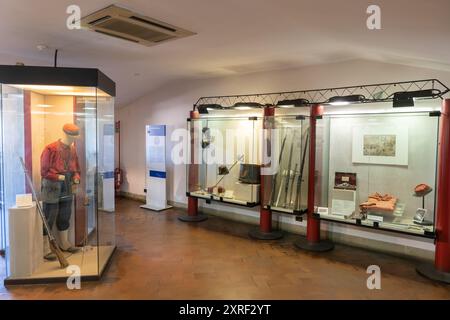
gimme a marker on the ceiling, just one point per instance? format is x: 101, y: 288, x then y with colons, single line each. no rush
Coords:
x: 233, y: 37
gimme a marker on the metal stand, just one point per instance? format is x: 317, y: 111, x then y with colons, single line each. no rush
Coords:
x: 423, y: 222
x: 264, y: 231
x: 312, y: 241
x: 429, y: 271
x: 193, y: 214
x: 257, y: 234
x: 197, y: 218
x: 320, y: 246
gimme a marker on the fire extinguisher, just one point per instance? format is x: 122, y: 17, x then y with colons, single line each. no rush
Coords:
x: 118, y: 174
x: 117, y: 179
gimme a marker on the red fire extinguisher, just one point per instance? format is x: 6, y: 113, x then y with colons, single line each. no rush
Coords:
x: 117, y: 179
x: 118, y: 174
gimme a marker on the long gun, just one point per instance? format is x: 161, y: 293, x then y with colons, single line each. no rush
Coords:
x: 300, y: 177
x: 51, y: 239
x: 229, y: 170
x: 274, y: 180
x: 288, y: 179
x: 292, y: 184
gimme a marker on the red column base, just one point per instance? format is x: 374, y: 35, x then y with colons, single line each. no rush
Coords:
x: 193, y: 215
x: 265, y: 232
x: 428, y: 270
x: 316, y: 246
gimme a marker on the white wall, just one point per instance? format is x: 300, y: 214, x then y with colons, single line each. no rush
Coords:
x: 171, y: 104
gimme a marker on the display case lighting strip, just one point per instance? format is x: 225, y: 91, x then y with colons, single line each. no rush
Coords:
x: 361, y: 94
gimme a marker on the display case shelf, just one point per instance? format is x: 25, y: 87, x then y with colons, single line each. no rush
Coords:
x: 286, y: 187
x: 286, y: 210
x: 407, y: 229
x: 369, y: 162
x: 225, y: 159
x: 214, y: 198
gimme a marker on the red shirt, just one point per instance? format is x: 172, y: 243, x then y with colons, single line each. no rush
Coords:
x: 58, y: 158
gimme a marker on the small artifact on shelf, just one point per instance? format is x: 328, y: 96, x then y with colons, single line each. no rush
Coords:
x: 379, y: 202
x: 422, y: 190
x: 223, y: 170
x: 206, y: 137
x: 221, y: 190
x: 250, y: 173
x: 345, y: 180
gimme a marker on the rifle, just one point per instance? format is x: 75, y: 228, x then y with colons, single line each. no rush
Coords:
x: 300, y: 177
x: 232, y: 166
x: 286, y: 188
x: 292, y: 184
x: 51, y: 239
x: 274, y: 180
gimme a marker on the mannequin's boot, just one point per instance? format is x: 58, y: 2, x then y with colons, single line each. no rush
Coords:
x: 48, y: 254
x: 64, y: 242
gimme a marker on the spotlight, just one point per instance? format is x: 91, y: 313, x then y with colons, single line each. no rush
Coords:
x: 346, y: 100
x: 246, y: 105
x: 293, y: 103
x: 204, y: 108
x: 406, y: 98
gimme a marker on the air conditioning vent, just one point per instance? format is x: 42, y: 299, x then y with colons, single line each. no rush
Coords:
x: 153, y: 24
x: 127, y: 25
x: 114, y: 35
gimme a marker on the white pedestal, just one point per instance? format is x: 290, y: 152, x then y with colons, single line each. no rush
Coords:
x: 25, y: 241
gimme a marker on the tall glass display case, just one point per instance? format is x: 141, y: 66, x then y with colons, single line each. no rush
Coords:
x: 225, y: 159
x: 287, y: 190
x: 57, y: 144
x: 376, y: 166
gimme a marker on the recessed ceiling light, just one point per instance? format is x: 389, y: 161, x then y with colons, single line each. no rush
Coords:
x: 42, y: 47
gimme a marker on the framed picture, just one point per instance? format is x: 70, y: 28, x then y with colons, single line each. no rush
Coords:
x: 385, y: 145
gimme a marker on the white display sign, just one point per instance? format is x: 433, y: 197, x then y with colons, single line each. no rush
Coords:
x: 24, y: 200
x: 155, y: 144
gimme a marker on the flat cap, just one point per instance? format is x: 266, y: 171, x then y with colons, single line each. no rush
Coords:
x: 71, y: 129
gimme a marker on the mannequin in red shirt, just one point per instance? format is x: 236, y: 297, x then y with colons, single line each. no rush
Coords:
x: 60, y: 174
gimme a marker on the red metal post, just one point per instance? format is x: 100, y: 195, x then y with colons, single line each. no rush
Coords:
x: 265, y: 222
x: 264, y: 231
x: 193, y: 167
x: 442, y: 255
x: 313, y: 225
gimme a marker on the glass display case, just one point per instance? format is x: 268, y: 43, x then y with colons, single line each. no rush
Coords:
x: 57, y: 164
x: 225, y: 159
x: 376, y: 166
x: 287, y: 190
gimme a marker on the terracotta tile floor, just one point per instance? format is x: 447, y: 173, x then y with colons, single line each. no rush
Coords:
x: 159, y: 257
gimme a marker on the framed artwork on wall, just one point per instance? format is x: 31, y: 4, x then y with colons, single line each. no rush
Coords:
x: 378, y: 144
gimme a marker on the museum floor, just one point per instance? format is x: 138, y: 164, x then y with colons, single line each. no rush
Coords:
x: 159, y: 257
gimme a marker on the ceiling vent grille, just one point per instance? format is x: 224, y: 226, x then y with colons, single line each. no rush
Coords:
x: 127, y: 25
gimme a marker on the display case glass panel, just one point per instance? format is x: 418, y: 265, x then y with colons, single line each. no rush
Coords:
x: 378, y: 168
x: 286, y: 189
x: 65, y: 137
x: 225, y: 159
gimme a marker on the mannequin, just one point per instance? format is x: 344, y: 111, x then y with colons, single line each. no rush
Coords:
x: 60, y: 174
